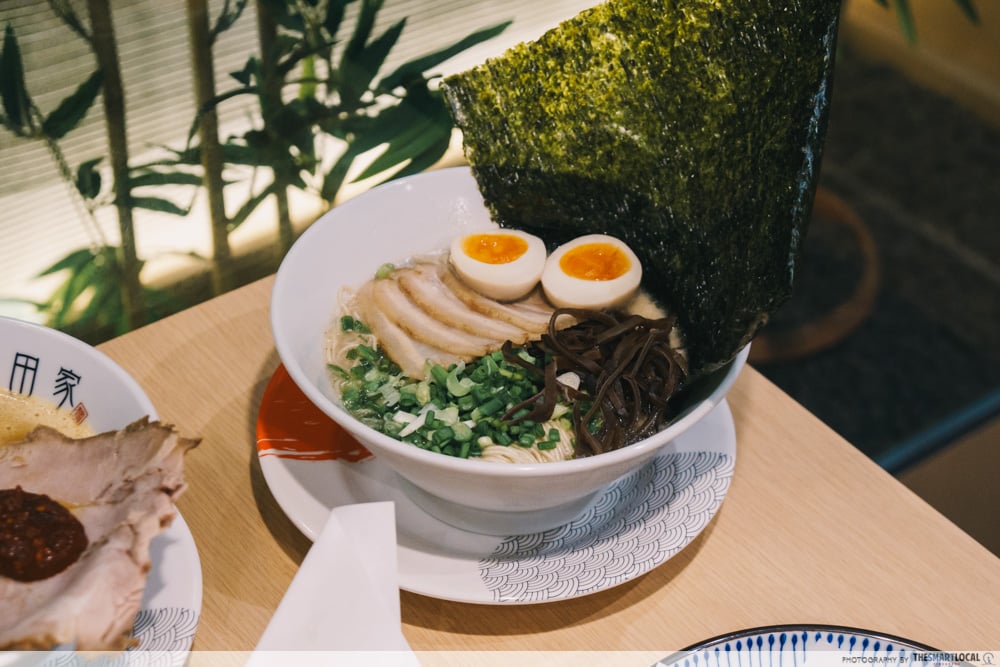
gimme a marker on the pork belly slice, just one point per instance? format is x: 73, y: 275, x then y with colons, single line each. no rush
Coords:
x: 420, y: 326
x: 122, y: 486
x: 409, y: 355
x: 531, y: 316
x: 422, y: 284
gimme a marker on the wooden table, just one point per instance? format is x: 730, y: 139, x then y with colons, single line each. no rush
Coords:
x: 811, y: 530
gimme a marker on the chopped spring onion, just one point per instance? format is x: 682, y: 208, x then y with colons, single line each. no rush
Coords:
x: 348, y: 323
x: 457, y: 410
x: 385, y: 270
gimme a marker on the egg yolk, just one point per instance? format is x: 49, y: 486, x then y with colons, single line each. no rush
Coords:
x: 595, y: 261
x: 494, y: 248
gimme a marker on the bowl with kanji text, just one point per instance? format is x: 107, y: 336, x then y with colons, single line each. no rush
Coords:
x: 62, y: 374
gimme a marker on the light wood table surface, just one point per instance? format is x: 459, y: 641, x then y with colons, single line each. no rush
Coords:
x: 811, y: 530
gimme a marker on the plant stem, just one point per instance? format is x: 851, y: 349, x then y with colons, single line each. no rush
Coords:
x: 267, y: 33
x: 106, y: 51
x: 211, y: 152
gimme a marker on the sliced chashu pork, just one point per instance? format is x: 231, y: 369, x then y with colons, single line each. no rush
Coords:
x: 422, y: 283
x: 530, y: 314
x: 408, y: 354
x: 424, y: 327
x: 122, y: 487
x: 424, y: 312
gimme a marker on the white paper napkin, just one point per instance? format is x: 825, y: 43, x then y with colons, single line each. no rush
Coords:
x: 345, y: 596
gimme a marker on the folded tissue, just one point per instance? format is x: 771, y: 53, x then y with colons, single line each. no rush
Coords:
x: 345, y: 596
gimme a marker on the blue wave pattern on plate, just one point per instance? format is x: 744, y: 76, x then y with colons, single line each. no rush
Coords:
x: 164, y: 634
x: 635, y: 525
x: 165, y: 628
x: 791, y: 647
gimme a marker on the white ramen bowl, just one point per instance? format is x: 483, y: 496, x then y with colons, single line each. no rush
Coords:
x: 51, y: 365
x: 390, y: 223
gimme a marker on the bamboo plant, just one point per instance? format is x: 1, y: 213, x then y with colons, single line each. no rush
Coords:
x: 310, y: 95
x: 307, y: 89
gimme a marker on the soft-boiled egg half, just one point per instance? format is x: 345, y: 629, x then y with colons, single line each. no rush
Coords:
x: 504, y: 264
x: 594, y: 271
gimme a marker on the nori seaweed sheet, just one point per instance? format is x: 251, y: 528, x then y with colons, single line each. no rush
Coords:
x: 692, y: 130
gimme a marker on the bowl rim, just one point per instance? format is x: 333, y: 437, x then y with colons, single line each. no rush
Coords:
x: 729, y: 372
x: 103, y: 360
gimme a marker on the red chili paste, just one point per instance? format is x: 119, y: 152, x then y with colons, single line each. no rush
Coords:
x: 39, y: 538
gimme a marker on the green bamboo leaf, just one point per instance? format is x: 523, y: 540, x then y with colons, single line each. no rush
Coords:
x: 363, y: 27
x: 250, y: 71
x: 412, y: 147
x: 101, y: 303
x: 286, y: 45
x: 72, y: 262
x: 408, y: 128
x: 374, y: 54
x: 64, y: 10
x: 282, y: 12
x: 233, y: 152
x: 105, y: 309
x: 49, y: 304
x: 13, y: 89
x: 189, y: 156
x: 288, y: 18
x: 88, y: 179
x: 334, y: 179
x: 227, y: 17
x: 296, y: 180
x: 417, y: 128
x: 250, y: 206
x: 906, y: 23
x: 295, y: 56
x: 969, y: 9
x: 242, y: 154
x: 158, y: 204
x: 73, y: 108
x: 79, y: 281
x: 258, y: 140
x: 39, y: 306
x: 335, y: 15
x: 164, y: 178
x: 87, y: 270
x: 358, y: 69
x: 417, y: 66
x: 426, y: 159
x: 293, y: 123
x: 368, y: 132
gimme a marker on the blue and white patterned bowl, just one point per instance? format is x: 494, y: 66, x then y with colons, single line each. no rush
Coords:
x: 796, y: 645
